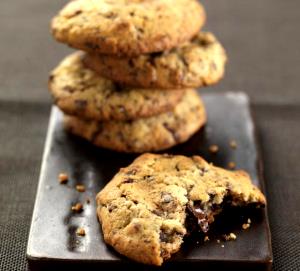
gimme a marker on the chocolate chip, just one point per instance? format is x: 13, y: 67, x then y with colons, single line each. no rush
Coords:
x: 118, y: 87
x: 172, y: 131
x: 91, y: 46
x: 200, y: 215
x: 110, y: 15
x: 111, y: 208
x: 68, y: 89
x: 77, y: 12
x: 128, y: 180
x: 164, y: 237
x: 149, y: 178
x: 166, y: 197
x: 81, y: 104
x: 131, y: 63
x: 157, y: 212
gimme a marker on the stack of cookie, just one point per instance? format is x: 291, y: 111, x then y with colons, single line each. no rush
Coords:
x: 132, y: 87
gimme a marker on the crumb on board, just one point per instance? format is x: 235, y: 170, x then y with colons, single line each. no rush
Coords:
x: 246, y: 226
x: 63, y: 178
x: 229, y: 237
x: 214, y: 148
x: 80, y: 231
x: 231, y: 165
x: 206, y: 238
x: 80, y: 187
x: 233, y: 144
x: 78, y: 207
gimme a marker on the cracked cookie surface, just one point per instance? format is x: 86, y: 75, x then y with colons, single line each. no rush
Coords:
x: 199, y: 62
x: 79, y: 91
x: 148, y: 134
x: 143, y: 209
x: 127, y: 27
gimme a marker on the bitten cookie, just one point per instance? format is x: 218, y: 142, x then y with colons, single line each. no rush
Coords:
x: 199, y: 62
x: 79, y: 91
x: 127, y: 27
x: 148, y: 134
x: 144, y: 207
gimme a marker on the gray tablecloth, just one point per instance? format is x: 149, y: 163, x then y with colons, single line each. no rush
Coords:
x: 263, y: 43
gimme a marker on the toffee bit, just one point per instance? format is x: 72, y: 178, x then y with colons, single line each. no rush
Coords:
x: 206, y: 238
x: 80, y: 232
x: 213, y: 148
x: 63, y: 178
x: 80, y: 187
x: 78, y: 207
x: 231, y: 165
x: 233, y: 144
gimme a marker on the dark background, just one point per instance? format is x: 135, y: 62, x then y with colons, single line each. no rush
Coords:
x: 262, y: 39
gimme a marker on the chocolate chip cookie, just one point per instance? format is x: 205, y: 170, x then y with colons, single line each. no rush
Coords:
x: 143, y: 209
x: 199, y: 62
x: 79, y: 91
x: 127, y: 27
x: 148, y: 134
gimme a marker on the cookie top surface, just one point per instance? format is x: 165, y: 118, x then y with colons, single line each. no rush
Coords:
x: 199, y: 62
x: 79, y: 91
x: 127, y: 27
x: 144, y: 207
x: 148, y: 134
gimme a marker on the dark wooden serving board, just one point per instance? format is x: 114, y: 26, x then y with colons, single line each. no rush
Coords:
x: 53, y: 241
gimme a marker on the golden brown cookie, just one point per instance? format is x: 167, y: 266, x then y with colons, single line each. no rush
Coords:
x: 79, y: 91
x: 127, y: 27
x: 199, y: 62
x: 148, y: 134
x: 143, y: 209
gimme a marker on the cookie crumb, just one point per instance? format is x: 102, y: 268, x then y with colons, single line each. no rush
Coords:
x: 80, y: 187
x: 246, y: 226
x: 63, y: 178
x: 88, y: 201
x: 80, y: 231
x: 229, y: 237
x: 231, y: 165
x: 213, y: 148
x: 78, y: 207
x: 233, y: 144
x: 206, y: 238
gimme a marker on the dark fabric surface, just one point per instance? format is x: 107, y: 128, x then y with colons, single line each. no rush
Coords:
x: 262, y: 41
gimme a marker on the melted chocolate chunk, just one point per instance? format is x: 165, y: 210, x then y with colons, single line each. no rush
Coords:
x: 201, y: 216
